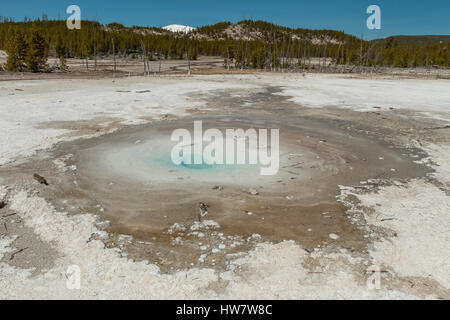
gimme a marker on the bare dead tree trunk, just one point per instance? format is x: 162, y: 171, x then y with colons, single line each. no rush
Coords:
x: 319, y: 54
x: 160, y: 61
x: 144, y: 55
x: 114, y: 57
x: 270, y: 53
x: 363, y: 57
x: 86, y: 56
x: 337, y: 57
x: 95, y: 55
x: 247, y: 40
x: 366, y: 64
x: 95, y: 49
x: 189, y: 60
x: 304, y: 55
x: 275, y: 52
x: 243, y: 57
x: 266, y: 54
x: 360, y: 54
x: 245, y: 53
x: 309, y: 58
x: 288, y: 54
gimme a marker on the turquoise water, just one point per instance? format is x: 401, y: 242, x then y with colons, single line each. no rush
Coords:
x: 203, y: 166
x: 150, y: 161
x: 161, y: 157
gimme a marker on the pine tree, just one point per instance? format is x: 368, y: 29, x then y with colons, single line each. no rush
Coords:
x: 59, y: 46
x: 401, y: 58
x: 274, y: 48
x: 36, y: 57
x: 16, y: 49
x: 63, y: 63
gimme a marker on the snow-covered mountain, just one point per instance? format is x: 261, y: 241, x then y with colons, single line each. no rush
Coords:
x: 178, y: 28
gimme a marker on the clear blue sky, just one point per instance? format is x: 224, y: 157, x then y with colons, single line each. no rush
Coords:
x: 409, y: 17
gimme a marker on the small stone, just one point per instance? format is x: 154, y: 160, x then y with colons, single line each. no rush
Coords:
x: 334, y: 236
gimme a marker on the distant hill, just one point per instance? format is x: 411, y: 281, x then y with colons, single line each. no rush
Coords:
x: 264, y: 31
x: 250, y: 30
x: 419, y: 39
x: 247, y: 30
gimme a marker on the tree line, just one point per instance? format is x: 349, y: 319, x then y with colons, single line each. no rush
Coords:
x: 259, y: 45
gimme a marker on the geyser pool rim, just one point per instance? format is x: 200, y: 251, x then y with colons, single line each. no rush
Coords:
x: 145, y: 207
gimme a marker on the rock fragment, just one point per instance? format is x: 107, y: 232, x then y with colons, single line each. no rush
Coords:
x: 40, y: 179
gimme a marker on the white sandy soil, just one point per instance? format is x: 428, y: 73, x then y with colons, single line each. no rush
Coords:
x: 419, y: 213
x: 430, y: 98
